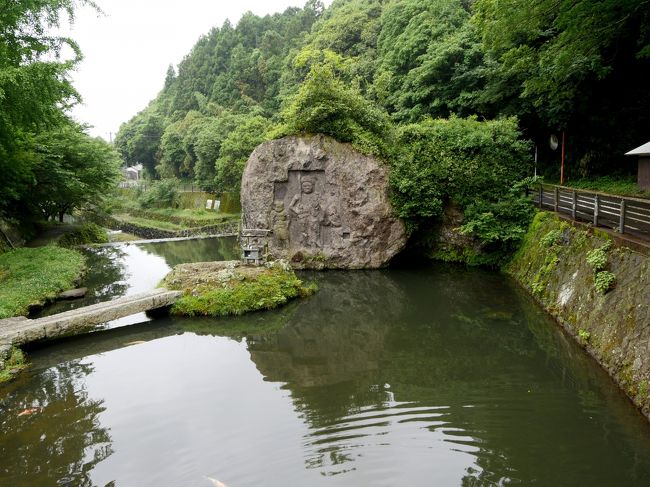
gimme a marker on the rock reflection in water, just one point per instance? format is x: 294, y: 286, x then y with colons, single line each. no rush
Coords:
x: 336, y: 335
x: 375, y: 358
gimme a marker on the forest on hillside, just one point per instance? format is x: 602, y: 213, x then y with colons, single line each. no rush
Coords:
x: 455, y: 95
x: 578, y: 66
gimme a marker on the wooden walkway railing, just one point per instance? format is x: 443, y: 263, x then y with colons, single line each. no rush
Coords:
x: 620, y: 213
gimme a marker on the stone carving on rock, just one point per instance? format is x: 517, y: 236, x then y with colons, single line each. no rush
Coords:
x: 323, y: 203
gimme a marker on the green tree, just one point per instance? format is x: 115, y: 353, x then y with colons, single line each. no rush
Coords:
x: 34, y: 87
x: 209, y: 139
x: 426, y: 50
x: 138, y: 140
x: 235, y: 150
x: 71, y: 171
x: 578, y: 65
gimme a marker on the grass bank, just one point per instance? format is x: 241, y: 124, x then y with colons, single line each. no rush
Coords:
x: 32, y: 276
x: 230, y: 288
x: 623, y: 185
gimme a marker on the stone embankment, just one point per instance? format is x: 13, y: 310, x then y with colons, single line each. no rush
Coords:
x: 229, y: 227
x: 599, y: 292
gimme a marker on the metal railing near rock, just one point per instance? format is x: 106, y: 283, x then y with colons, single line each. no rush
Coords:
x: 625, y: 215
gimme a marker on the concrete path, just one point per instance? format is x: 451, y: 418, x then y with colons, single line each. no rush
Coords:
x: 19, y: 331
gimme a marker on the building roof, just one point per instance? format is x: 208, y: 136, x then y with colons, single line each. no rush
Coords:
x: 642, y: 150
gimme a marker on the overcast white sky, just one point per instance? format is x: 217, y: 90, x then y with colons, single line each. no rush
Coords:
x: 127, y: 51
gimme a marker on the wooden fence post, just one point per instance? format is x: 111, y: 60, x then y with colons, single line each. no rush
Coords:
x: 557, y: 199
x: 596, y: 210
x: 574, y: 207
x: 621, y: 221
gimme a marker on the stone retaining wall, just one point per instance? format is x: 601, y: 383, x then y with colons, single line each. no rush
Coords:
x: 614, y: 327
x: 149, y: 233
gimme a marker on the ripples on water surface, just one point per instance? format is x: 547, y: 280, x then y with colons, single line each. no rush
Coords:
x: 429, y: 377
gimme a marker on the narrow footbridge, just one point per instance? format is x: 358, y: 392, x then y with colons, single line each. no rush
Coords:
x: 20, y: 331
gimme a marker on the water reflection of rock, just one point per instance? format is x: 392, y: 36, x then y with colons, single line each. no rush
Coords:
x: 333, y: 336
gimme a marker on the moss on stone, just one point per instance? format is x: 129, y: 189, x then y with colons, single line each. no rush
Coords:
x: 231, y: 288
x: 556, y: 271
x: 12, y: 365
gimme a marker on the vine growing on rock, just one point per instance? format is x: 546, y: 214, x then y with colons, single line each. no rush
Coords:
x: 598, y: 259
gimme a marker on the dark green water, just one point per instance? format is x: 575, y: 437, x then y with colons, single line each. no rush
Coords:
x: 429, y: 377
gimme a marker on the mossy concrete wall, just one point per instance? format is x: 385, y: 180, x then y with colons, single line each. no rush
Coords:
x: 614, y: 327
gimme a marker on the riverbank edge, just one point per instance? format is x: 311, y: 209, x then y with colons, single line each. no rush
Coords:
x: 227, y: 227
x: 43, y: 286
x: 555, y: 264
x: 39, y: 274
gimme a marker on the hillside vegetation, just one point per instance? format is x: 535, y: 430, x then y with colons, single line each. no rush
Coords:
x: 454, y: 94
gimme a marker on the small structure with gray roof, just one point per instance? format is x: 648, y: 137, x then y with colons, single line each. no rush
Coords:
x: 643, y: 152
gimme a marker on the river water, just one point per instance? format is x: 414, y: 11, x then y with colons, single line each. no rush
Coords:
x: 437, y: 376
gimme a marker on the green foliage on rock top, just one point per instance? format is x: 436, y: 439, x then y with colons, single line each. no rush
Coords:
x: 325, y: 104
x: 31, y: 276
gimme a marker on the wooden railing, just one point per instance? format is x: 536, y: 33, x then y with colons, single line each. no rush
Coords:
x: 620, y: 213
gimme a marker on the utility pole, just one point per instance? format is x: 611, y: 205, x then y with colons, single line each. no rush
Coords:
x: 562, y: 163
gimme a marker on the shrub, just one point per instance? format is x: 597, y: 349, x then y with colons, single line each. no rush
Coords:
x: 161, y: 194
x: 597, y: 259
x: 88, y: 233
x: 604, y: 281
x: 473, y: 163
x: 551, y: 238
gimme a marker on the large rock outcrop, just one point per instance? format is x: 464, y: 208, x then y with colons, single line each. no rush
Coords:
x: 319, y: 204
